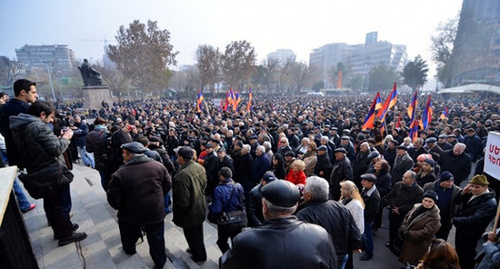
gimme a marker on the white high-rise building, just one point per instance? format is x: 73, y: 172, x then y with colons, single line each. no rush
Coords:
x: 282, y: 56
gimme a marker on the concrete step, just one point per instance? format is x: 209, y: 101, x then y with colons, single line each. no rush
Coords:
x: 102, y: 248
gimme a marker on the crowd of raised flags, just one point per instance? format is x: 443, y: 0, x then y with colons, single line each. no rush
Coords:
x: 379, y: 112
x: 232, y: 100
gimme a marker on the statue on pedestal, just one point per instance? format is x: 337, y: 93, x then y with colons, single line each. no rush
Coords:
x: 91, y: 77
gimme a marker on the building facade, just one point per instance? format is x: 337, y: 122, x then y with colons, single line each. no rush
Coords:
x: 282, y: 56
x: 59, y: 57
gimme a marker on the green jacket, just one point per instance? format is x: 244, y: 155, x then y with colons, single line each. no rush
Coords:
x: 189, y: 185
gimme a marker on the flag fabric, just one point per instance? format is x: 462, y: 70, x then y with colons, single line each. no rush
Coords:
x: 370, y: 117
x: 427, y: 116
x: 390, y: 102
x: 378, y: 104
x: 228, y: 101
x: 444, y: 114
x: 199, y: 101
x: 413, y: 105
x: 232, y: 99
x: 237, y: 99
x: 250, y: 97
x: 414, y: 129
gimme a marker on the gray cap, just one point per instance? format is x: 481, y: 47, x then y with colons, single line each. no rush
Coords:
x: 431, y: 140
x: 323, y: 147
x: 134, y: 147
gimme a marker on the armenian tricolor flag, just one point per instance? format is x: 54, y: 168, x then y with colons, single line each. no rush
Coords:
x: 444, y: 114
x: 250, y: 97
x: 199, y: 102
x: 370, y: 117
x: 427, y: 116
x: 413, y: 105
x: 391, y: 101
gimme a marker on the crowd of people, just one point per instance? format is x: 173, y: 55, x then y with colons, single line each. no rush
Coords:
x: 338, y: 176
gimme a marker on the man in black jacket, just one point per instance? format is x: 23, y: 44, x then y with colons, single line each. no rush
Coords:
x: 342, y: 170
x: 457, y: 162
x: 323, y: 166
x: 211, y: 165
x: 307, y: 245
x: 371, y: 198
x: 477, y: 207
x: 331, y: 215
x: 137, y: 191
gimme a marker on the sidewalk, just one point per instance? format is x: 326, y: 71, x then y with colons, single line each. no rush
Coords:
x: 102, y: 248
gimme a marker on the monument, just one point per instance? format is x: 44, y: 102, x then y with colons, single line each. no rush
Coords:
x: 94, y: 92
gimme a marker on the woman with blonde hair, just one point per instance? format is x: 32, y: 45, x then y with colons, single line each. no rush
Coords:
x: 351, y: 198
x: 296, y: 174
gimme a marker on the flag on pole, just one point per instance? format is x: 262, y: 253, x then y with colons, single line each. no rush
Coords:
x: 444, y: 114
x: 199, y: 101
x: 390, y: 102
x: 413, y: 105
x: 250, y: 97
x: 370, y: 117
x: 237, y: 99
x: 427, y: 116
x: 414, y: 129
x: 228, y: 101
x: 378, y: 104
x: 232, y: 99
x: 414, y: 122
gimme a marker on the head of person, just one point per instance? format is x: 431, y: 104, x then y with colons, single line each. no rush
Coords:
x: 279, y: 199
x: 364, y: 147
x: 289, y: 156
x: 381, y: 166
x: 304, y: 142
x: 225, y: 173
x: 422, y: 157
x: 458, y: 149
x: 368, y: 180
x: 479, y: 184
x: 431, y: 142
x: 184, y: 154
x: 221, y: 153
x: 429, y: 199
x: 324, y: 140
x: 267, y: 145
x: 419, y: 142
x: 278, y: 159
x: 267, y: 178
x: 348, y: 190
x: 43, y: 110
x: 441, y: 254
x: 322, y: 150
x: 209, y: 147
x: 260, y: 150
x: 401, y: 150
x: 340, y: 153
x: 407, y: 141
x: 442, y: 138
x: 316, y: 189
x: 409, y: 178
x: 345, y: 141
x: 132, y: 150
x: 311, y: 147
x: 246, y: 149
x: 298, y: 165
x: 446, y: 180
x: 392, y: 144
x: 428, y: 165
x: 25, y: 90
x: 284, y: 142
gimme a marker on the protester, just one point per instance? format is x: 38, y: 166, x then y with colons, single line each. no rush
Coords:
x: 441, y: 255
x: 371, y: 199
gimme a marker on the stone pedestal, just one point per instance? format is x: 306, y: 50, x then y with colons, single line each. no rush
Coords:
x: 94, y: 95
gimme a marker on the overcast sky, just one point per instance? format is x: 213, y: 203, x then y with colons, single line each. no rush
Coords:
x: 267, y: 24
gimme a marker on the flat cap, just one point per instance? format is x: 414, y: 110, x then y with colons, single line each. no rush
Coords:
x: 373, y: 154
x: 215, y: 140
x: 345, y: 137
x: 154, y: 139
x: 252, y: 137
x: 342, y: 150
x: 208, y: 145
x: 369, y: 177
x: 346, y: 131
x: 402, y: 147
x: 185, y: 152
x: 281, y: 193
x: 134, y: 147
x: 289, y: 153
x: 221, y: 149
x: 322, y: 147
x: 443, y: 136
x: 452, y: 136
x: 269, y: 177
x: 431, y: 140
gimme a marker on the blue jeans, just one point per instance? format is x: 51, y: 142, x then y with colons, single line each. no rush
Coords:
x: 167, y: 203
x: 87, y: 157
x: 22, y: 201
x: 367, y: 238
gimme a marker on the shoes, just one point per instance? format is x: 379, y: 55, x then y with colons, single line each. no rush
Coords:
x: 32, y: 206
x: 198, y: 259
x: 73, y: 228
x: 189, y: 251
x: 365, y: 257
x: 388, y: 244
x: 75, y: 237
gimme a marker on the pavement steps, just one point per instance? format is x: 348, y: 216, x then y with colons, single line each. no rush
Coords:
x: 102, y: 248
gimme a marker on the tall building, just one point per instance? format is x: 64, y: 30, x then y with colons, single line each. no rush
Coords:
x: 59, y: 57
x: 358, y: 59
x: 476, y: 52
x: 282, y: 56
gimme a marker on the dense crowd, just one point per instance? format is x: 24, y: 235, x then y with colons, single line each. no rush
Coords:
x: 345, y: 176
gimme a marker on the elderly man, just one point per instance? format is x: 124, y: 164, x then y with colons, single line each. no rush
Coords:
x: 323, y: 166
x: 457, y: 162
x: 361, y: 163
x: 190, y: 206
x: 371, y: 198
x: 331, y: 215
x: 137, y: 190
x: 477, y: 207
x: 259, y: 167
x: 402, y: 163
x: 341, y: 170
x: 433, y: 147
x: 402, y: 197
x: 307, y: 245
x: 446, y: 192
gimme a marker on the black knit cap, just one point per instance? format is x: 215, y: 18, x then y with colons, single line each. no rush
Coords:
x: 430, y: 194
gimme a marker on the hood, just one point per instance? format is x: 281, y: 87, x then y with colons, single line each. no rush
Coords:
x: 22, y: 120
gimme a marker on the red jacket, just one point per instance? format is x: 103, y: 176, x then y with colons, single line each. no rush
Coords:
x: 296, y: 177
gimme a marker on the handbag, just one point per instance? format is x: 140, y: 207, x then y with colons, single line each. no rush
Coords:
x: 238, y: 217
x: 47, y: 180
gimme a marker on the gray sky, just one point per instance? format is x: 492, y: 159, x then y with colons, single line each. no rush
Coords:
x: 267, y: 24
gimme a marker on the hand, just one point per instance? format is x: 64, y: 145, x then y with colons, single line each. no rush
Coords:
x: 492, y: 237
x: 68, y: 134
x: 467, y: 189
x: 395, y: 210
x: 73, y: 128
x: 321, y: 173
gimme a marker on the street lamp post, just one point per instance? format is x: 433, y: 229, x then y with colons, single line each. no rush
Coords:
x: 50, y: 80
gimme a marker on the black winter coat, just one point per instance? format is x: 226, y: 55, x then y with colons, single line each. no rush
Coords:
x: 459, y: 166
x: 323, y: 165
x: 342, y: 170
x: 473, y: 217
x: 372, y: 204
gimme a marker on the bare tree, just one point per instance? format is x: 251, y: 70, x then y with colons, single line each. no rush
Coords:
x: 442, y: 47
x: 209, y: 66
x: 10, y: 71
x: 238, y: 63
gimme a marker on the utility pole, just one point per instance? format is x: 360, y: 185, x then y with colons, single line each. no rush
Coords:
x: 50, y: 80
